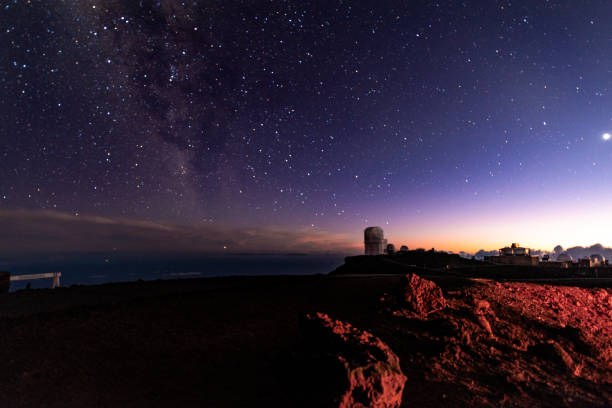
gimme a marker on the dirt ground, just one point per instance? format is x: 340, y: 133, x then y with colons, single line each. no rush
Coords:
x: 229, y: 342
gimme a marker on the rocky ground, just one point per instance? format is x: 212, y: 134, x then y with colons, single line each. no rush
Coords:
x: 509, y: 344
x: 378, y: 341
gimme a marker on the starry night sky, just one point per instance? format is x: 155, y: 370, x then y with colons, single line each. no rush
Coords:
x: 460, y: 125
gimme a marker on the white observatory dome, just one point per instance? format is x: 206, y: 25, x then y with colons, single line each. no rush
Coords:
x: 374, y: 241
x: 564, y: 257
x: 373, y: 234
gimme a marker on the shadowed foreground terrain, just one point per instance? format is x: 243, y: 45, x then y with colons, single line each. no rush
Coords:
x: 227, y: 342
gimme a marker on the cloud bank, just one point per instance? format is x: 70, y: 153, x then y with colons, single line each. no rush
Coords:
x: 42, y: 232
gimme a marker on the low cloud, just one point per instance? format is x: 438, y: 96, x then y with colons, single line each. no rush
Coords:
x: 43, y: 232
x: 578, y: 252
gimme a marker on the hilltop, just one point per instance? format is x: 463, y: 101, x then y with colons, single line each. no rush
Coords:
x: 441, y: 263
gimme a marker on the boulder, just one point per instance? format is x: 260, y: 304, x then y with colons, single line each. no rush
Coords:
x: 421, y: 297
x: 373, y: 377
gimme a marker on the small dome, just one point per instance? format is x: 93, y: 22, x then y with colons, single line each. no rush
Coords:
x: 373, y: 234
x: 564, y: 257
x: 403, y: 248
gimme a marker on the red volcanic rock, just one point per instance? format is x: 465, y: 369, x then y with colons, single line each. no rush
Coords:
x: 481, y: 310
x: 372, y: 369
x: 588, y: 311
x: 509, y: 344
x: 421, y: 296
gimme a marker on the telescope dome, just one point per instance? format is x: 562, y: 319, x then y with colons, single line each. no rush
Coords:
x: 564, y: 257
x: 373, y: 234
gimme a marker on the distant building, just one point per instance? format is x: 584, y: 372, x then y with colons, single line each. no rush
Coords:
x: 374, y: 241
x: 591, y: 261
x: 514, y: 250
x: 390, y: 249
x: 403, y: 248
x: 563, y: 260
x: 597, y: 260
x: 514, y: 255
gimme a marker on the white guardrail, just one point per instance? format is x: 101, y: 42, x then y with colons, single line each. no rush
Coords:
x: 55, y: 275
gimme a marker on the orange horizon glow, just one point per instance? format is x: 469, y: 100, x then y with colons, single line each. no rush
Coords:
x: 473, y: 229
x: 47, y: 232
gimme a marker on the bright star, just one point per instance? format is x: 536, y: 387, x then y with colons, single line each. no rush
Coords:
x: 606, y: 136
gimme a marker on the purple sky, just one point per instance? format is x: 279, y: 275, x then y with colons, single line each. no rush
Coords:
x: 459, y: 125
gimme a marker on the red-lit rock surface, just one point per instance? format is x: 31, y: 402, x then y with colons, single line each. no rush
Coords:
x: 419, y: 297
x: 587, y: 310
x: 372, y: 371
x: 519, y: 344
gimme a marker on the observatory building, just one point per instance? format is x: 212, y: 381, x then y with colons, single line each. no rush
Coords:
x: 513, y: 255
x: 374, y: 241
x: 597, y: 259
x: 514, y: 250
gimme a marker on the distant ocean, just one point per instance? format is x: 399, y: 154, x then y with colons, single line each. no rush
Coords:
x: 98, y: 269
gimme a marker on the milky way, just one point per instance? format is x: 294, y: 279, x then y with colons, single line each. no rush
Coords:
x: 330, y: 115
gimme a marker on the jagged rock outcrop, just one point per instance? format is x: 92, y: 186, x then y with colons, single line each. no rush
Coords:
x: 419, y: 297
x: 374, y: 378
x: 584, y: 316
x: 502, y: 341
